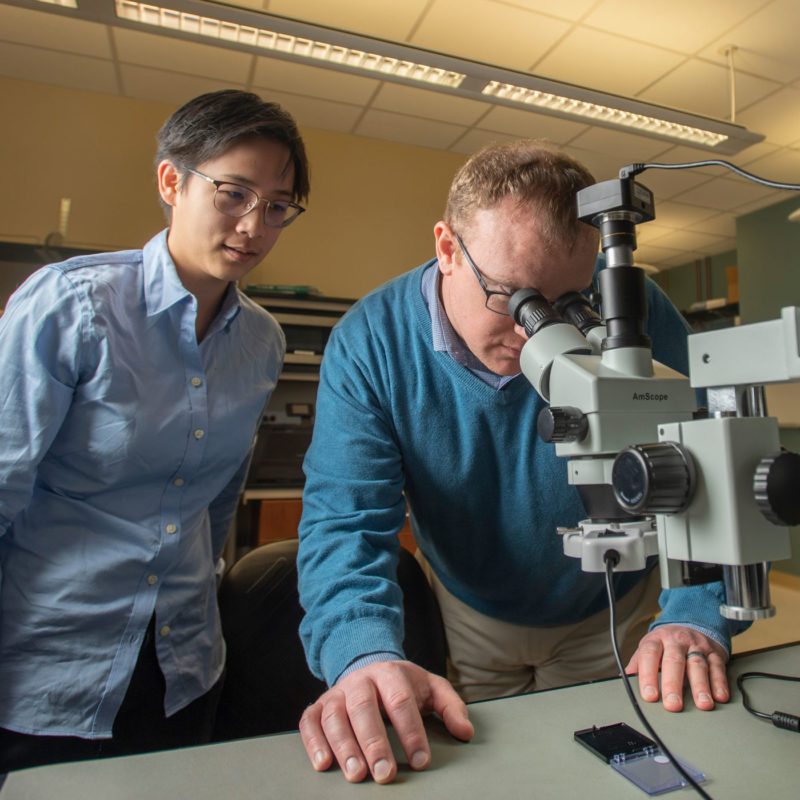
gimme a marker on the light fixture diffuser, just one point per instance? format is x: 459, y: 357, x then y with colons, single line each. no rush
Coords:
x: 286, y: 43
x: 596, y: 112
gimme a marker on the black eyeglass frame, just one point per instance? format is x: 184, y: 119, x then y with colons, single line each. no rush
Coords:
x: 479, y: 275
x: 298, y: 209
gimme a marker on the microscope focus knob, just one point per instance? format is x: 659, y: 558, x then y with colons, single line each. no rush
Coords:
x: 562, y: 424
x: 653, y: 478
x: 776, y: 487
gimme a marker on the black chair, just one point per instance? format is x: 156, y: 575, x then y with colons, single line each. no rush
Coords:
x: 268, y: 683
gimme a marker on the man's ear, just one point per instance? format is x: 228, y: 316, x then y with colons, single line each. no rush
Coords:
x: 446, y: 247
x: 169, y: 180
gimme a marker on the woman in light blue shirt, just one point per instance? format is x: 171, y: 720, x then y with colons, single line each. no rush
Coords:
x: 131, y: 387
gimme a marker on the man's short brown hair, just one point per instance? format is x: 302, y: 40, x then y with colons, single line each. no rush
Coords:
x: 533, y: 172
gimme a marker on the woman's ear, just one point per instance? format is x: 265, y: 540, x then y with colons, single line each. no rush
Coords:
x: 169, y: 180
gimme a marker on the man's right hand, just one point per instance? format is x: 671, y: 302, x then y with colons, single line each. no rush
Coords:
x: 346, y: 723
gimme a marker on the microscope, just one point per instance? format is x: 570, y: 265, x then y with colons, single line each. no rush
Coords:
x: 708, y: 491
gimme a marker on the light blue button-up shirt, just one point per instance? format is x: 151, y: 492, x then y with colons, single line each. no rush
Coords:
x: 124, y: 446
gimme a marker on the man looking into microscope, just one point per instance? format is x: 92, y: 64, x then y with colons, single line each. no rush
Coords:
x: 421, y: 401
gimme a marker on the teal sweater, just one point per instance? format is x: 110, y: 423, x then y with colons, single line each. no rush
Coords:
x: 398, y: 422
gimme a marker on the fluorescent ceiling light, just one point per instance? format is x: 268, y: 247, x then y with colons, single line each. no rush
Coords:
x: 276, y: 41
x: 281, y: 37
x: 597, y: 112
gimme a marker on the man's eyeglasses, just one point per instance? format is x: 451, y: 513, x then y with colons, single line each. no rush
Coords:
x: 236, y: 201
x: 495, y: 301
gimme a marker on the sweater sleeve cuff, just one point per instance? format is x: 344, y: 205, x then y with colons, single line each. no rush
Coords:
x: 356, y: 639
x: 697, y: 607
x: 369, y: 658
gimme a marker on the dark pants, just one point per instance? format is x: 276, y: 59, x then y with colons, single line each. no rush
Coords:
x: 140, y: 724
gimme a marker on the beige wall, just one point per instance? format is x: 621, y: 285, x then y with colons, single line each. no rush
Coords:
x: 371, y: 212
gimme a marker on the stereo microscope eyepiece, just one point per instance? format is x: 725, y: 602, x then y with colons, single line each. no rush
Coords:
x: 532, y: 311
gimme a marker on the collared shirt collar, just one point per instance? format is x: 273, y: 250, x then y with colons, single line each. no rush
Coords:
x: 163, y: 288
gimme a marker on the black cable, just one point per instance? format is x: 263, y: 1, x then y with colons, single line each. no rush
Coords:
x: 780, y: 719
x: 610, y: 558
x: 635, y: 169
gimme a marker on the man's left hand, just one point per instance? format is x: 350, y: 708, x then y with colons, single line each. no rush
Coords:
x: 680, y: 652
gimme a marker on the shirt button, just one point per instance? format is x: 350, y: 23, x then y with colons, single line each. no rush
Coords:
x: 152, y: 579
x: 199, y: 433
x: 171, y: 528
x: 197, y: 381
x: 179, y: 481
x: 164, y: 631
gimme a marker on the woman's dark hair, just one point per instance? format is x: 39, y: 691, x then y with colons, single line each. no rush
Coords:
x: 205, y: 127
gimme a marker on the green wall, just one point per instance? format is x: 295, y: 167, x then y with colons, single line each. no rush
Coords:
x: 769, y: 261
x: 768, y: 246
x: 680, y: 283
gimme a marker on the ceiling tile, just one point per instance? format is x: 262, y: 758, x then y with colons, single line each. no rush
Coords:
x: 386, y: 19
x: 530, y: 124
x: 721, y: 225
x: 495, y: 33
x: 662, y: 256
x: 724, y: 194
x: 690, y: 155
x: 666, y: 183
x: 175, y: 89
x: 408, y: 130
x: 763, y: 202
x: 604, y: 167
x: 648, y: 232
x: 782, y: 165
x: 766, y: 42
x: 177, y: 55
x: 427, y: 103
x: 59, y: 69
x: 54, y: 31
x: 564, y: 9
x: 752, y: 62
x: 275, y: 73
x: 752, y: 153
x: 723, y: 245
x: 696, y: 241
x: 313, y: 112
x: 704, y: 88
x: 682, y: 25
x: 475, y: 139
x: 682, y: 154
x: 630, y: 148
x: 599, y: 60
x: 774, y: 116
x: 681, y: 215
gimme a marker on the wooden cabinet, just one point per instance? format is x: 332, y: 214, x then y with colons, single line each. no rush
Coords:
x: 278, y: 518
